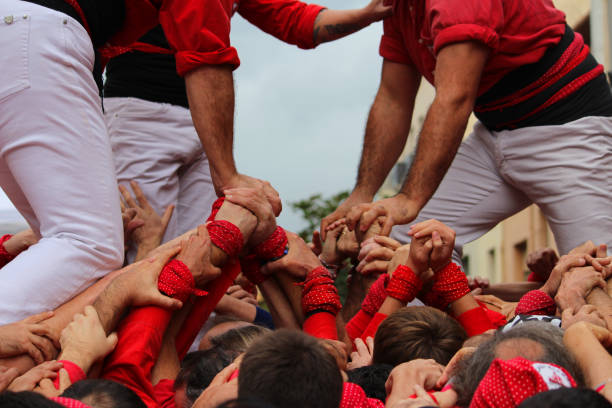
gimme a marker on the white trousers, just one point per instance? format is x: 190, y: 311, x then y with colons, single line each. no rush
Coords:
x: 157, y: 145
x: 55, y: 160
x: 566, y: 170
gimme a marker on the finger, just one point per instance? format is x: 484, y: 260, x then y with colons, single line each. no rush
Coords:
x: 39, y: 317
x: 380, y: 253
x: 360, y: 346
x: 421, y: 393
x: 233, y: 289
x: 355, y: 214
x: 224, y: 375
x: 44, y: 345
x: 316, y: 241
x: 166, y: 302
x: 142, y: 199
x: 166, y: 216
x: 602, y: 251
x: 64, y: 380
x: 370, y: 344
x: 112, y: 341
x: 35, y: 353
x: 387, y: 226
x: 122, y: 205
x: 387, y: 242
x: 125, y: 193
x: 163, y: 256
x: 374, y: 267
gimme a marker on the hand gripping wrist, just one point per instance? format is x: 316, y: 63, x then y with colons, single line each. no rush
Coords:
x: 215, y: 208
x: 451, y: 283
x: 404, y: 284
x: 274, y: 247
x: 226, y: 236
x: 319, y: 293
x: 176, y: 281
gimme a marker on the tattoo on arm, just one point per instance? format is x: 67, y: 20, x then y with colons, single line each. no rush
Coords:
x: 315, y: 31
x: 341, y: 29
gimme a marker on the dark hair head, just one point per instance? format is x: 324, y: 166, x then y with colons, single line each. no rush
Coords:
x: 246, y: 403
x: 417, y: 332
x: 290, y: 369
x: 103, y: 394
x: 567, y: 398
x: 26, y: 399
x: 535, y: 341
x: 199, y: 368
x: 372, y: 379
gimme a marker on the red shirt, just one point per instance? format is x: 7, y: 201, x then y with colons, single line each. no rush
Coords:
x: 199, y: 30
x: 518, y: 32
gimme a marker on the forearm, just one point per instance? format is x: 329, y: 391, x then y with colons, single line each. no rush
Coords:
x: 386, y: 134
x: 293, y: 293
x: 210, y: 91
x: 234, y: 307
x: 438, y: 143
x: 278, y: 304
x: 510, y: 292
x: 599, y: 298
x: 111, y: 305
x: 333, y: 24
x: 593, y: 359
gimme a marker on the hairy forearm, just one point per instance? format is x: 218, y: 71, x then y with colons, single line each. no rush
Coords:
x: 386, y: 134
x: 333, y: 24
x: 210, y: 91
x: 111, y: 305
x: 438, y: 143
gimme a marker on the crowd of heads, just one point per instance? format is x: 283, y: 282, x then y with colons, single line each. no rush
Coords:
x: 411, y: 330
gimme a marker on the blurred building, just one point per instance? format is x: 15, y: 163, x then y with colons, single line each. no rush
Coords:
x: 500, y: 254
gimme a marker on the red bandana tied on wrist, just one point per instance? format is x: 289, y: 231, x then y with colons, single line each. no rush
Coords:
x: 5, y: 257
x: 251, y: 269
x: 69, y: 402
x: 176, y: 281
x: 451, y: 283
x: 273, y: 247
x: 319, y: 292
x: 536, y: 302
x: 404, y: 284
x: 226, y: 236
x: 376, y: 295
x: 353, y: 396
x: 508, y: 383
x: 215, y: 208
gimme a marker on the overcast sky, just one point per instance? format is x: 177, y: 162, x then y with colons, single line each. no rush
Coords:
x: 300, y: 114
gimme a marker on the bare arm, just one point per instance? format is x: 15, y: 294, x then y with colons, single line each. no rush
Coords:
x: 333, y: 24
x: 210, y: 91
x: 386, y: 133
x: 278, y: 304
x: 458, y: 70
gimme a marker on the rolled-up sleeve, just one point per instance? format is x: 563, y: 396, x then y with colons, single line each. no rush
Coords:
x: 290, y: 21
x: 392, y: 44
x: 199, y: 31
x: 470, y: 20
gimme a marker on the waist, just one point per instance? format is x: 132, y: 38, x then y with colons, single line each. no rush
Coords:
x: 525, y: 96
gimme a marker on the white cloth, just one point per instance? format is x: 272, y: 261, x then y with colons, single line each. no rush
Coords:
x: 55, y: 160
x: 156, y: 145
x: 566, y: 170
